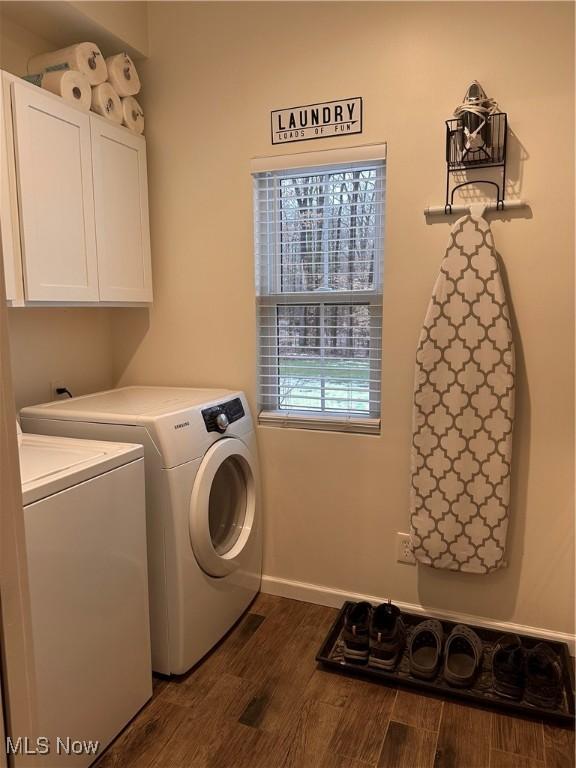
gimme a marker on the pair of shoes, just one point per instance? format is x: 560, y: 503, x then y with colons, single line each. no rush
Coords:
x: 374, y: 635
x: 462, y: 653
x: 534, y: 674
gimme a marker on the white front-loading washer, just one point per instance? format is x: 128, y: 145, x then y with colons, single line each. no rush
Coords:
x: 202, y: 500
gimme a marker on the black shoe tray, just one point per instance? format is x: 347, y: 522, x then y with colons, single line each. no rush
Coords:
x: 331, y: 655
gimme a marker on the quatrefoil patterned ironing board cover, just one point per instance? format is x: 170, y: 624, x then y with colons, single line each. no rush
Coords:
x: 463, y: 410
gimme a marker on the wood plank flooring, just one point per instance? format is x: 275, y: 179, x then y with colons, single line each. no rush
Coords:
x: 259, y: 701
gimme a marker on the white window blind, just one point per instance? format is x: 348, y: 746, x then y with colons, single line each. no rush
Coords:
x: 319, y: 248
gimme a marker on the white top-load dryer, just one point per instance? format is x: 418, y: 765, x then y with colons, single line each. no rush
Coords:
x: 85, y: 534
x: 203, y: 515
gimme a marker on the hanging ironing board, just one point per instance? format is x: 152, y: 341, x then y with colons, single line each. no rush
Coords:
x: 463, y: 410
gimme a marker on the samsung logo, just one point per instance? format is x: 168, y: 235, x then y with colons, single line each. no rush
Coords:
x: 182, y: 425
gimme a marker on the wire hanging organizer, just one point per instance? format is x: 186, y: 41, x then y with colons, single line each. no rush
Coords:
x: 476, y: 138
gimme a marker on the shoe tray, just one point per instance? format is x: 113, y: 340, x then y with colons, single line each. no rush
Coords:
x: 331, y: 655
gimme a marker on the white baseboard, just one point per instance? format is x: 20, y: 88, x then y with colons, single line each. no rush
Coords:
x: 333, y: 598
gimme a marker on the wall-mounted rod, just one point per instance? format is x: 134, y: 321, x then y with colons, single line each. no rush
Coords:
x: 441, y: 210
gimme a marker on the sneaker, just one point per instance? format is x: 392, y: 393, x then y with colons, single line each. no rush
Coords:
x: 356, y: 633
x: 508, y: 667
x: 387, y: 636
x: 543, y: 677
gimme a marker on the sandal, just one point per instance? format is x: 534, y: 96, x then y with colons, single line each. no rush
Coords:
x: 462, y: 656
x: 425, y: 649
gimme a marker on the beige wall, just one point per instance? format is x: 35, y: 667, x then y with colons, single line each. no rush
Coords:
x: 69, y: 346
x: 333, y: 502
x: 72, y: 346
x: 114, y: 26
x: 127, y: 19
x: 17, y: 44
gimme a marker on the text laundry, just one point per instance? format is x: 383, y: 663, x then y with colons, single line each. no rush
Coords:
x: 315, y: 121
x: 317, y: 116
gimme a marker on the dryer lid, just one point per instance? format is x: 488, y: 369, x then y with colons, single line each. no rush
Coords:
x: 49, y: 464
x: 127, y: 405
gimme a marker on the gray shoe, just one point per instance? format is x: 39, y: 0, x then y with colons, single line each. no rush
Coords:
x: 462, y: 656
x: 425, y: 649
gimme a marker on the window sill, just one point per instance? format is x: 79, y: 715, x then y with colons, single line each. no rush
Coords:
x: 328, y: 423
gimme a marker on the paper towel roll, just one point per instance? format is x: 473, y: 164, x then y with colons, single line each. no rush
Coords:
x: 83, y: 57
x: 122, y: 75
x: 106, y: 102
x: 72, y: 86
x: 132, y: 114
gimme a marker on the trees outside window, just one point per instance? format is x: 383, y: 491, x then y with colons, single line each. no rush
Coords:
x: 319, y: 255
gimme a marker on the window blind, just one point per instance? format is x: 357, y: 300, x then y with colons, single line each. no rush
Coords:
x: 319, y: 252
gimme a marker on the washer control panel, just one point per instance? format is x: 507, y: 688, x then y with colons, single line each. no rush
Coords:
x: 217, y: 418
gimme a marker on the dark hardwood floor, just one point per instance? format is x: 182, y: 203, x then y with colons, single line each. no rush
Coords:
x: 259, y: 701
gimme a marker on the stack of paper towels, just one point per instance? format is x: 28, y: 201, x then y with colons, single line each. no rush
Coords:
x: 82, y: 76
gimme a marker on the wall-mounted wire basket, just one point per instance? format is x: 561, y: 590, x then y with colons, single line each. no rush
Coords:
x: 491, y: 152
x: 486, y: 150
x: 476, y: 138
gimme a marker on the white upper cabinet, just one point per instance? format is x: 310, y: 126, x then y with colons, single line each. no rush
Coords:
x: 121, y: 205
x: 56, y: 200
x: 77, y: 230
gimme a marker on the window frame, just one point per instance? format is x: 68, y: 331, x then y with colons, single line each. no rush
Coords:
x: 270, y: 296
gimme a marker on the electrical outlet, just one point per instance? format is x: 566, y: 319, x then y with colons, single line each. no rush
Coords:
x: 404, y: 553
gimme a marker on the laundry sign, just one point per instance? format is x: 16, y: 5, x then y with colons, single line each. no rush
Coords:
x: 317, y: 121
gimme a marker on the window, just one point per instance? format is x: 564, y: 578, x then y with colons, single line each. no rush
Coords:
x: 319, y: 245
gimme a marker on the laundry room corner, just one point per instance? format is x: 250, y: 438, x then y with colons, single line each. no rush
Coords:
x: 287, y: 384
x: 334, y: 502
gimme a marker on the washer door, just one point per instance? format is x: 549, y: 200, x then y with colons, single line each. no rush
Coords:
x: 222, y: 506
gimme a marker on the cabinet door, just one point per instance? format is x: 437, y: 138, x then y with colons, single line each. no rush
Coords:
x: 55, y: 196
x: 121, y: 204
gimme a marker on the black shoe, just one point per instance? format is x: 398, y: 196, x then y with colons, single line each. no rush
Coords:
x: 356, y: 633
x: 543, y: 677
x: 387, y: 636
x: 508, y: 667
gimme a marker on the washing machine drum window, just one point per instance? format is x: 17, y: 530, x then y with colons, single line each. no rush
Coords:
x: 222, y: 507
x: 227, y: 505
